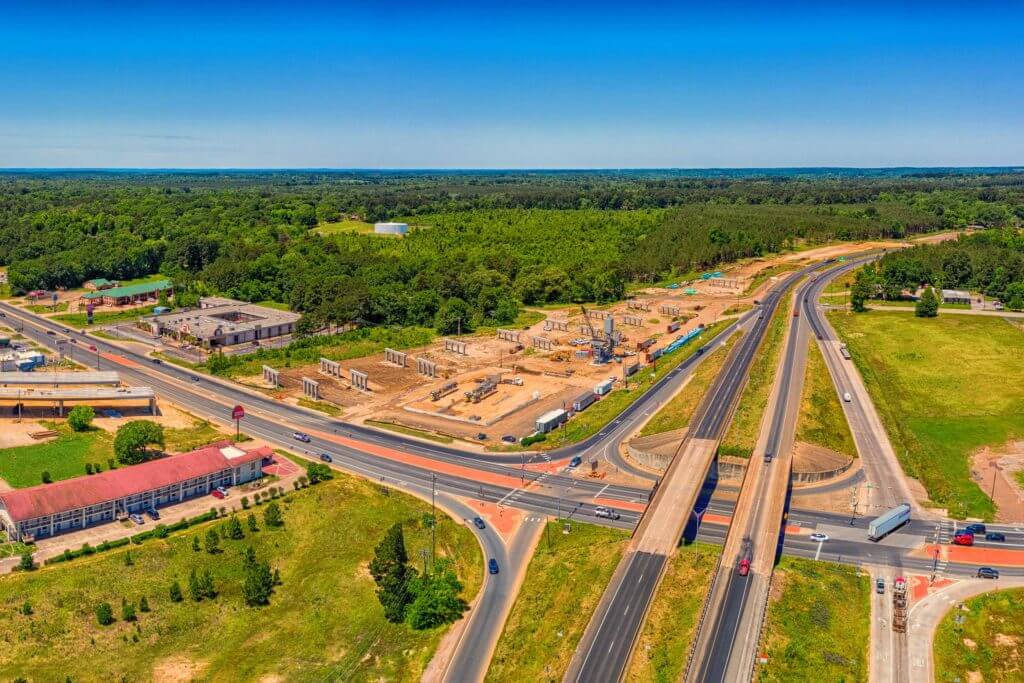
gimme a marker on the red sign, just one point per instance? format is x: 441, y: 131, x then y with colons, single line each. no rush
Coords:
x: 237, y: 413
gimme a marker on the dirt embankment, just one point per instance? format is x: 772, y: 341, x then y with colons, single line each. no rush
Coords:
x: 995, y: 470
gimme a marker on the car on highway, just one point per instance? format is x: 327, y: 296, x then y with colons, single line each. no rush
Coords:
x: 606, y: 513
x: 326, y: 457
x: 847, y: 397
x: 301, y: 436
x: 137, y: 518
x: 195, y: 378
x: 819, y: 538
x: 51, y: 333
x: 156, y: 361
x: 995, y: 536
x: 217, y: 494
x: 744, y: 567
x: 575, y: 462
x: 963, y: 538
x: 880, y: 585
x: 974, y: 529
x: 492, y: 566
x: 479, y: 523
x: 987, y: 573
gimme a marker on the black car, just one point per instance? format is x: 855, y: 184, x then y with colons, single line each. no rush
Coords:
x: 478, y: 523
x: 976, y: 529
x: 995, y: 536
x: 508, y: 438
x: 492, y: 566
x: 988, y: 573
x: 326, y: 457
x: 155, y: 361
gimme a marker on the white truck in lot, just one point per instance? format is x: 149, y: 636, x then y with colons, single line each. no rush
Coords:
x: 888, y: 522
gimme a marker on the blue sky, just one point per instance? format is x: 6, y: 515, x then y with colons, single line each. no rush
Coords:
x: 595, y: 85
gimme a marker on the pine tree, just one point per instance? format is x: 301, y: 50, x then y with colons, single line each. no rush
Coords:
x: 272, y: 515
x: 127, y: 610
x: 206, y: 585
x: 175, y: 592
x: 104, y: 614
x: 27, y: 564
x: 253, y: 526
x: 235, y: 529
x: 212, y: 542
x: 195, y: 543
x: 928, y: 305
x: 143, y: 604
x: 392, y: 573
x: 194, y: 588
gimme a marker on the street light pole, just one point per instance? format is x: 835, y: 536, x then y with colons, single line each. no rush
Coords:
x: 433, y: 522
x: 995, y: 469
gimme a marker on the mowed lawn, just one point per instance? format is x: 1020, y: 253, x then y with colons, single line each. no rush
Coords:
x: 563, y: 585
x: 664, y: 642
x: 944, y: 386
x: 63, y: 457
x: 987, y: 645
x: 323, y: 622
x: 818, y: 623
x: 821, y: 421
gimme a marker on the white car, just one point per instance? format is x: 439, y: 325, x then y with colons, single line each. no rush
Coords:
x: 820, y: 538
x: 847, y: 397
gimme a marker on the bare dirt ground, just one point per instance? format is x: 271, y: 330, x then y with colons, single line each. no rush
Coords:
x: 999, y: 465
x: 13, y: 433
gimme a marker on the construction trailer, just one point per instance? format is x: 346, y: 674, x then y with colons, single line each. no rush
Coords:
x: 583, y: 401
x: 550, y: 420
x: 604, y: 387
x: 447, y: 388
x: 487, y: 386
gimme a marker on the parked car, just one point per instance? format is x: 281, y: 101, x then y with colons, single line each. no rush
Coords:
x: 301, y: 436
x: 492, y: 566
x: 974, y: 529
x: 478, y: 523
x: 223, y: 490
x: 880, y: 585
x: 819, y: 538
x: 153, y: 514
x: 963, y: 539
x: 988, y: 573
x: 607, y: 513
x: 137, y: 518
x: 326, y: 457
x: 575, y: 462
x: 217, y: 494
x: 481, y: 437
x: 508, y: 438
x: 995, y: 536
x: 744, y: 567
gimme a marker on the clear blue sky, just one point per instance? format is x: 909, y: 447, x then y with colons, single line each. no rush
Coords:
x: 521, y: 84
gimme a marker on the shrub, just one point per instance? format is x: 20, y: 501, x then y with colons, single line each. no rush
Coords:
x: 175, y: 592
x: 86, y: 550
x: 161, y: 531
x: 272, y: 515
x: 110, y: 464
x: 88, y: 468
x: 128, y: 561
x: 46, y: 477
x: 235, y: 529
x: 195, y: 543
x: 245, y: 502
x: 27, y: 564
x: 104, y: 614
x: 127, y: 610
x: 80, y: 418
x: 143, y: 604
x: 212, y: 543
x: 251, y: 520
x: 26, y: 608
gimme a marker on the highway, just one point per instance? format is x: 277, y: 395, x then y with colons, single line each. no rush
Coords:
x: 606, y: 646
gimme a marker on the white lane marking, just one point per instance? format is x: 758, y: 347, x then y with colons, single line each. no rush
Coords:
x: 818, y: 553
x: 598, y: 494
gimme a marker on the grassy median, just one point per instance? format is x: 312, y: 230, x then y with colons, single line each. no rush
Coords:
x: 323, y: 621
x: 944, y: 387
x: 821, y: 421
x: 563, y: 584
x: 818, y: 623
x: 664, y: 643
x: 987, y: 645
x: 741, y: 436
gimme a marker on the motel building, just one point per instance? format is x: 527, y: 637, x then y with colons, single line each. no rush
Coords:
x: 74, y: 504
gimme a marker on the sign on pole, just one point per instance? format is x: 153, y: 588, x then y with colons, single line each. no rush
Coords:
x: 237, y: 413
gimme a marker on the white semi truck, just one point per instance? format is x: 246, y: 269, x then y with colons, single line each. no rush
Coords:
x: 888, y: 522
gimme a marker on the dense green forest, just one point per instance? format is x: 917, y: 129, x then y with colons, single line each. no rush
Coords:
x: 484, y: 243
x: 991, y: 262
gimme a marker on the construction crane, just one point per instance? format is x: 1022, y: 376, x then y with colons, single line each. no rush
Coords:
x: 603, y: 345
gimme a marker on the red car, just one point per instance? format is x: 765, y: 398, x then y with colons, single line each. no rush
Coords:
x: 217, y: 494
x: 963, y: 539
x: 744, y: 567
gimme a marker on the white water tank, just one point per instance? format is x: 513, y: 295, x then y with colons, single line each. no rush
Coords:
x: 391, y: 228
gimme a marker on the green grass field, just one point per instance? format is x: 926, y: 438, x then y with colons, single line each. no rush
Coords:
x: 410, y: 431
x: 323, y: 621
x: 677, y: 412
x: 561, y: 590
x: 594, y: 418
x: 944, y: 387
x: 344, y: 226
x: 741, y: 436
x: 987, y: 645
x: 47, y: 308
x: 64, y: 457
x: 821, y: 421
x: 818, y: 623
x: 664, y: 642
x: 102, y: 317
x: 199, y: 434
